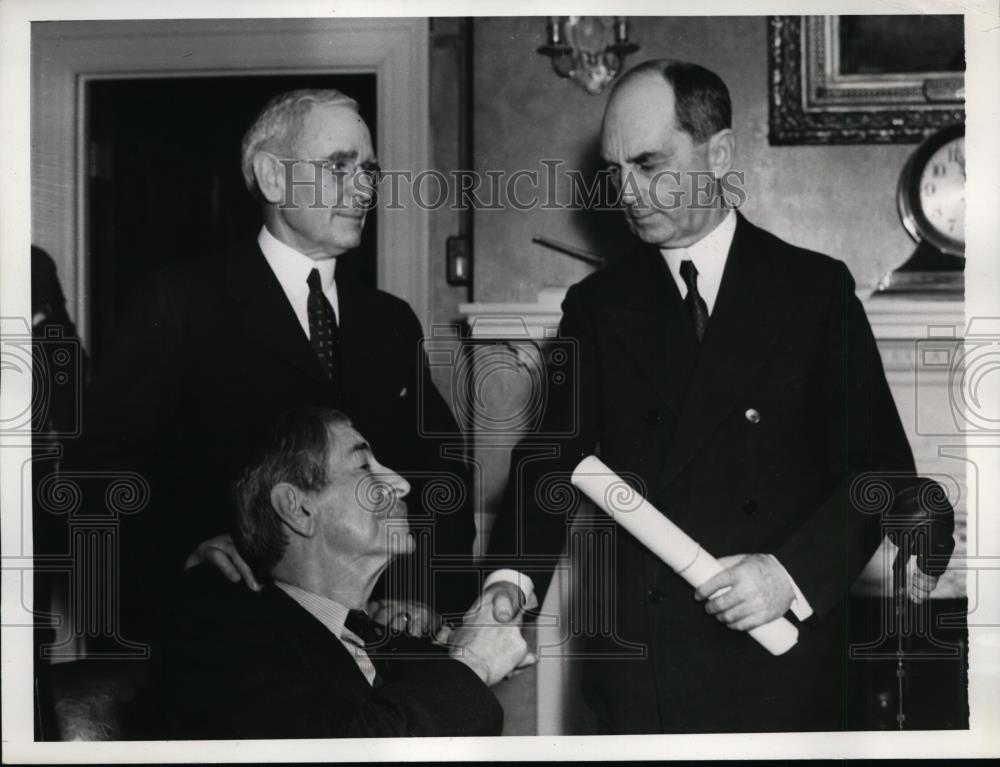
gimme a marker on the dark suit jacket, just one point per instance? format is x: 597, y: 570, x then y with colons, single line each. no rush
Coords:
x: 239, y: 664
x: 211, y: 354
x: 787, y: 338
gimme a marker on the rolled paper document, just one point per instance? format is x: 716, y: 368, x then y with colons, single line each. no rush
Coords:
x: 679, y: 552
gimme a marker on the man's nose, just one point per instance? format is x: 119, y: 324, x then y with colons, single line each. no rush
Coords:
x: 629, y: 190
x: 400, y: 485
x: 361, y: 188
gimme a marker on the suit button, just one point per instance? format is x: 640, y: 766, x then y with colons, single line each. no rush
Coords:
x: 655, y: 595
x: 752, y: 415
x: 750, y: 506
x: 653, y: 418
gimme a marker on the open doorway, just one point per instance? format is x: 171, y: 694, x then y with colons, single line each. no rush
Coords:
x: 164, y: 180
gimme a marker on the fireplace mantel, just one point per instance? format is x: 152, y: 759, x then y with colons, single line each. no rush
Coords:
x: 893, y: 318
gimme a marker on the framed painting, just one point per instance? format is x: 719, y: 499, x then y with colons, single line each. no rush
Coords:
x: 864, y: 79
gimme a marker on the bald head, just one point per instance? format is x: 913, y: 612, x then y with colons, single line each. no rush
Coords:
x: 666, y: 138
x: 700, y: 105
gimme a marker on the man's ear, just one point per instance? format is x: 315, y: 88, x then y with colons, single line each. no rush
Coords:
x: 269, y: 172
x: 721, y: 152
x: 286, y: 499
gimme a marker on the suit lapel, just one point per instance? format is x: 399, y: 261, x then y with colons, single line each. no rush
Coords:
x: 652, y: 325
x: 317, y: 648
x: 263, y: 311
x: 745, y: 325
x: 364, y: 338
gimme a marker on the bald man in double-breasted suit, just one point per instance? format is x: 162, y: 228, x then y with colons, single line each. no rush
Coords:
x: 733, y: 379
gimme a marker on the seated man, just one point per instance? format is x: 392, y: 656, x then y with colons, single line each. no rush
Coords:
x: 318, y: 520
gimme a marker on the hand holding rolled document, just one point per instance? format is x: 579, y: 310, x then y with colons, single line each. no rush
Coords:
x: 661, y: 536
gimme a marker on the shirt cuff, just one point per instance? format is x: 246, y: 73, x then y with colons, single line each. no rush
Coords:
x: 519, y: 579
x: 801, y: 608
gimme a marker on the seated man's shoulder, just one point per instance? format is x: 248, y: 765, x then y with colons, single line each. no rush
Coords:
x: 228, y: 667
x: 205, y: 580
x: 203, y: 598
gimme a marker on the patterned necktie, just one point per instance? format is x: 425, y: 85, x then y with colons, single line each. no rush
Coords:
x: 324, y: 335
x: 695, y: 304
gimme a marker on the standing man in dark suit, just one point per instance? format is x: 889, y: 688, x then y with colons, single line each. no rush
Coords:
x: 734, y: 380
x: 319, y: 519
x: 214, y: 351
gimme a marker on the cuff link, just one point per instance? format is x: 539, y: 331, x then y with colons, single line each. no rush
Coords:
x: 752, y: 415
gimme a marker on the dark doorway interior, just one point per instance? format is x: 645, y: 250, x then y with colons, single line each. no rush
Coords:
x: 165, y: 182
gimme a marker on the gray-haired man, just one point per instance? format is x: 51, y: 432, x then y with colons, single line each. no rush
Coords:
x: 318, y: 518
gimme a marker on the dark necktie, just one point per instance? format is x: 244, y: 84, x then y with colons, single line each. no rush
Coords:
x: 324, y: 335
x: 366, y: 629
x: 388, y: 648
x: 695, y: 304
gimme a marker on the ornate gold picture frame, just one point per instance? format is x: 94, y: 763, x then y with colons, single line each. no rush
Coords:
x: 864, y: 79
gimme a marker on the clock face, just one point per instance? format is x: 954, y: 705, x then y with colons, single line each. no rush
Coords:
x: 931, y: 193
x: 942, y: 190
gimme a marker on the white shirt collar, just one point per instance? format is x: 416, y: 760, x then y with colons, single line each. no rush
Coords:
x: 709, y: 256
x: 292, y: 270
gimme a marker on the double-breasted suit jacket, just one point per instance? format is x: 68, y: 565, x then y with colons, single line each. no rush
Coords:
x: 210, y: 356
x: 750, y: 442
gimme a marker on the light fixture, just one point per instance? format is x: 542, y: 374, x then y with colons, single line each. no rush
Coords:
x: 589, y: 49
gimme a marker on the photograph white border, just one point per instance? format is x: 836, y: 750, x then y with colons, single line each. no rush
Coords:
x: 982, y: 296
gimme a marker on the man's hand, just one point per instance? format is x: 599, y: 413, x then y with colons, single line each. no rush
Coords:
x: 920, y: 584
x: 505, y: 600
x: 405, y: 616
x: 923, y: 521
x: 221, y: 552
x: 493, y: 649
x: 751, y: 591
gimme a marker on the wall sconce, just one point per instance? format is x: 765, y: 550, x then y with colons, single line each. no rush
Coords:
x: 590, y: 49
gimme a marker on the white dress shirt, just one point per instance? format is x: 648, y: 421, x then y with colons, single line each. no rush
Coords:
x: 333, y: 615
x: 709, y: 255
x: 292, y: 270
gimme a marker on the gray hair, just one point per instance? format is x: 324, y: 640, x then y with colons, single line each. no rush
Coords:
x: 278, y: 125
x: 297, y: 453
